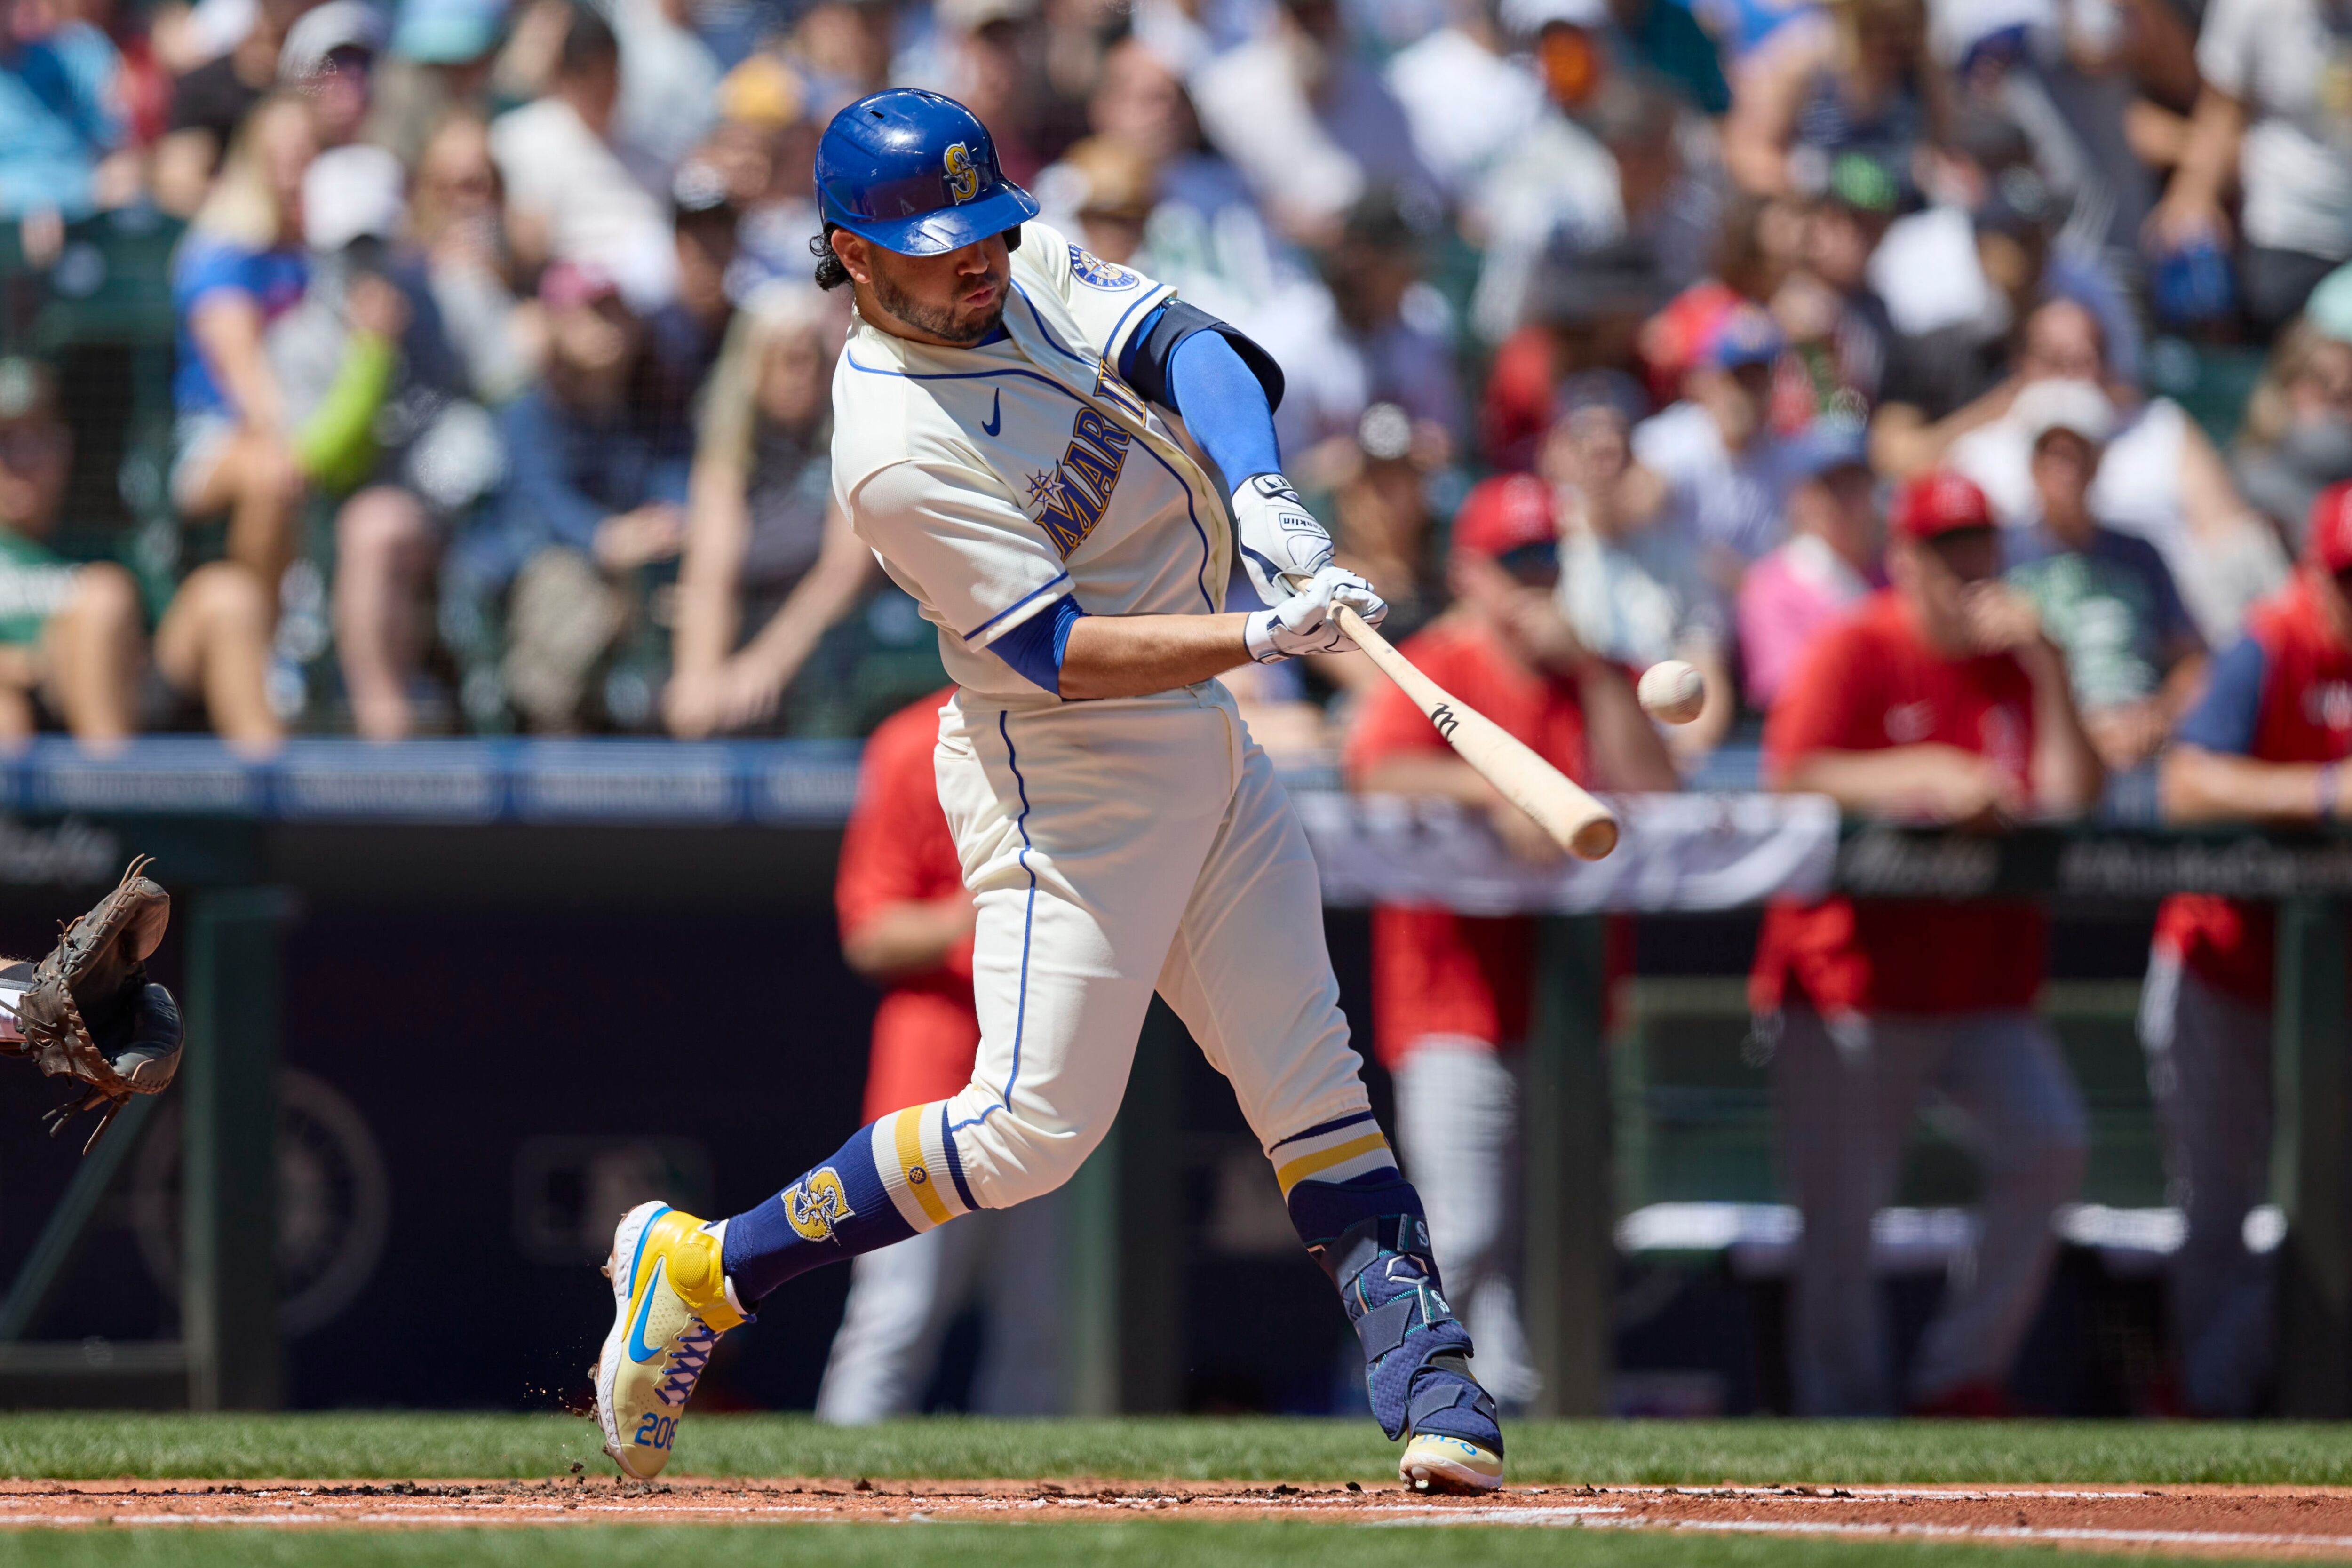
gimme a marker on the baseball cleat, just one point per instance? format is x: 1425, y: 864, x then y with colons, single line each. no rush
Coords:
x: 669, y: 1307
x: 1435, y: 1463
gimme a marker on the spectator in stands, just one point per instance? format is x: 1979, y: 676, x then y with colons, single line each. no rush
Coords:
x: 1631, y: 582
x: 72, y: 634
x: 684, y: 333
x: 2162, y: 479
x: 329, y: 59
x: 906, y: 925
x: 455, y: 220
x: 2265, y: 745
x: 770, y: 561
x: 380, y: 414
x: 438, y: 67
x: 2105, y: 598
x: 1383, y: 527
x: 1829, y: 564
x: 595, y: 488
x: 1854, y: 75
x: 1467, y: 95
x: 843, y: 47
x: 1308, y: 123
x: 572, y: 195
x: 1451, y: 991
x: 2271, y: 115
x: 2296, y: 439
x: 1942, y: 700
x: 242, y: 265
x: 210, y: 103
x: 765, y: 150
x: 63, y: 140
x: 670, y: 82
x: 1724, y: 474
x: 1400, y: 328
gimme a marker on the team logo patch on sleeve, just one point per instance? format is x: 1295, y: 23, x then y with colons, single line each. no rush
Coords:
x: 1092, y: 268
x: 815, y: 1203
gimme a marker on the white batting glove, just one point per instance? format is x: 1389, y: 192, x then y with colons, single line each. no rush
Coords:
x: 1303, y: 623
x: 1281, y: 543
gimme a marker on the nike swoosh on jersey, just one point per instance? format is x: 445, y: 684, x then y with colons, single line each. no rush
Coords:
x: 995, y: 420
x: 638, y: 1350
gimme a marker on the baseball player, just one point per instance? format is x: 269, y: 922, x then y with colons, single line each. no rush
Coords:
x: 1025, y: 434
x: 1938, y: 700
x: 2266, y: 743
x: 906, y: 922
x: 1451, y: 991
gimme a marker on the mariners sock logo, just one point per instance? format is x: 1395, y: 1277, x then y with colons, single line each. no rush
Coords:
x: 815, y: 1203
x: 963, y: 178
x: 1071, y: 496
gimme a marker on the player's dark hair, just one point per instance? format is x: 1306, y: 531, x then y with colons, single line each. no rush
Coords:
x: 830, y: 272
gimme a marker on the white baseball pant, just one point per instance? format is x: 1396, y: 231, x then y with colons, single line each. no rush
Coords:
x: 903, y: 1297
x: 2209, y: 1070
x: 1114, y: 848
x: 1844, y: 1101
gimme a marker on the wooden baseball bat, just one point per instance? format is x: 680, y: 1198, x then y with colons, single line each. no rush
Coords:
x: 1577, y: 823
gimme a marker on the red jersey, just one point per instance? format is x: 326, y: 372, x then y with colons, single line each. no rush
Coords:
x: 2283, y: 695
x: 895, y: 850
x: 1436, y: 971
x: 1870, y: 683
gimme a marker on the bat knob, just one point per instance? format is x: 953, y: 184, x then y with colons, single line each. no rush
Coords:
x: 1594, y: 839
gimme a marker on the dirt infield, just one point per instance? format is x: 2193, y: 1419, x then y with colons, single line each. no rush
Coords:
x: 2207, y: 1521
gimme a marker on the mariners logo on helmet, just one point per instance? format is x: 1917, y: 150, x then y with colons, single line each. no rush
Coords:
x: 963, y: 179
x: 815, y: 1203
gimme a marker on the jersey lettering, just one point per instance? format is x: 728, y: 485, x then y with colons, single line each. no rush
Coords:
x: 1071, y: 498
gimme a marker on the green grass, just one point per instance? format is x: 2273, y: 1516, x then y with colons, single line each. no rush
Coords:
x: 1145, y: 1545
x: 85, y: 1446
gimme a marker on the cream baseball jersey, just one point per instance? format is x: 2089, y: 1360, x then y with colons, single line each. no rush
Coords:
x: 990, y: 481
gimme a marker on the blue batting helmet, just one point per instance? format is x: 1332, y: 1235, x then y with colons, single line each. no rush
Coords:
x: 915, y: 172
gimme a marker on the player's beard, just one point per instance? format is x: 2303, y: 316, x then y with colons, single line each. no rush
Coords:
x: 945, y: 322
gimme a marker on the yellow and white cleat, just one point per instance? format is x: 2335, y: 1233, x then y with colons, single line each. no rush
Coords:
x: 1433, y: 1463
x: 669, y: 1307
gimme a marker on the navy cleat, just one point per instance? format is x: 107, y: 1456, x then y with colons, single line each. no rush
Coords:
x: 1416, y: 1356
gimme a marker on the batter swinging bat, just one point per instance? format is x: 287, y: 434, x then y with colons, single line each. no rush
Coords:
x: 1577, y: 823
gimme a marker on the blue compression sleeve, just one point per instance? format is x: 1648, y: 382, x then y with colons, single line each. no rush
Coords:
x: 1224, y: 385
x: 1036, y: 646
x: 1223, y: 407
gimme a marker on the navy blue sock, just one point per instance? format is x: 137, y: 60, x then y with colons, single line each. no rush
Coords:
x: 836, y: 1211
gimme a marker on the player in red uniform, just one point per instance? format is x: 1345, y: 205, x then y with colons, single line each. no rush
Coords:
x: 906, y: 924
x: 2266, y: 745
x: 1940, y: 701
x: 1450, y: 991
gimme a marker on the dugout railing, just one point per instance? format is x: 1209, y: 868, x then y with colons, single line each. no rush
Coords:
x: 704, y: 830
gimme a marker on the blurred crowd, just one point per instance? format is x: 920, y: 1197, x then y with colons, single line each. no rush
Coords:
x: 498, y: 393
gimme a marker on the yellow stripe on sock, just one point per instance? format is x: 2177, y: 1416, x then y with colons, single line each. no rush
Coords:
x: 920, y: 1178
x: 1305, y: 1165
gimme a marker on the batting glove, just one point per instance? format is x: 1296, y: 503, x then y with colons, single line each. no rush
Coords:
x: 1281, y: 543
x: 1303, y: 624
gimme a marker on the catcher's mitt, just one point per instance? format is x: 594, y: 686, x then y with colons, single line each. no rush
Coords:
x: 91, y: 1013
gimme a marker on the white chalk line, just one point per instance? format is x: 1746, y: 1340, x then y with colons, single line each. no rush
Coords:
x: 1618, y: 1518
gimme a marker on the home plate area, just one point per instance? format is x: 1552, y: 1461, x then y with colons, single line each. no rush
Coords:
x: 2266, y: 1521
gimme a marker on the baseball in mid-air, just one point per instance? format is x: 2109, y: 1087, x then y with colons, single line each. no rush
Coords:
x: 1673, y: 691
